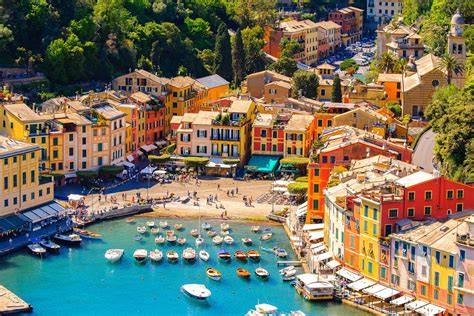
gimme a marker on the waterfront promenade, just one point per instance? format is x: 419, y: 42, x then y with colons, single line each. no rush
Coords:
x: 10, y: 303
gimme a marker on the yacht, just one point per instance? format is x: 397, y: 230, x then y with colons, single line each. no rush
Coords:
x: 178, y: 226
x: 266, y: 236
x: 114, y: 255
x: 197, y: 291
x: 263, y: 310
x: 140, y: 255
x: 224, y: 255
x: 211, y: 233
x: 70, y: 240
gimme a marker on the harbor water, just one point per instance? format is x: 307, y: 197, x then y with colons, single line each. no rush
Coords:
x: 79, y: 281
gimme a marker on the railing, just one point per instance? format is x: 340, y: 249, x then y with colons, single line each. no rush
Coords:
x: 232, y: 139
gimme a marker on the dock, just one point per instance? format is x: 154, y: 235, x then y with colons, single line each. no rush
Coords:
x: 10, y: 303
x: 295, y: 263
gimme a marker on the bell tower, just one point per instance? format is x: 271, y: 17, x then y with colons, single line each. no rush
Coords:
x: 457, y: 45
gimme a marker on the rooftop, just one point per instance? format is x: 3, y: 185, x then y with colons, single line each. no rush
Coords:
x: 152, y: 77
x: 205, y: 117
x: 181, y: 81
x: 389, y: 77
x: 263, y: 120
x: 328, y: 25
x: 299, y: 122
x: 212, y: 81
x: 416, y: 178
x: 23, y: 113
x: 240, y: 106
x: 140, y: 97
x: 108, y: 111
x: 296, y: 26
x: 10, y: 147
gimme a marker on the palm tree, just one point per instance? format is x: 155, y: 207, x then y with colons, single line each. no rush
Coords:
x: 387, y: 63
x: 450, y: 65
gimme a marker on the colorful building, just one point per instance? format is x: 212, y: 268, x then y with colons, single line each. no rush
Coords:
x: 298, y: 135
x: 268, y: 134
x: 382, y: 12
x: 269, y: 85
x: 392, y: 84
x: 351, y: 20
x: 403, y: 41
x: 329, y: 38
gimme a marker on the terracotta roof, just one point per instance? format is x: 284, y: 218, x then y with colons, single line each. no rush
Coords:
x: 205, y: 117
x: 426, y: 64
x: 108, y: 111
x: 325, y: 66
x: 299, y: 122
x: 78, y: 119
x: 140, y: 97
x: 281, y: 84
x: 152, y: 77
x: 181, y: 81
x: 327, y: 25
x: 263, y: 120
x: 22, y: 112
x: 240, y: 106
x: 389, y: 77
x: 275, y: 75
x: 188, y: 117
x: 176, y: 119
x: 296, y: 26
x: 10, y: 147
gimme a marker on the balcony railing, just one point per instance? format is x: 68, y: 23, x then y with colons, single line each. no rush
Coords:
x: 232, y: 139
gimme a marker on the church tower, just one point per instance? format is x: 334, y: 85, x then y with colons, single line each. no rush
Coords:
x: 457, y: 45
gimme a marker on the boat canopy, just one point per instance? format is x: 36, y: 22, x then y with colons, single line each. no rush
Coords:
x: 12, y: 222
x: 263, y: 163
x: 360, y: 284
x: 402, y: 300
x: 416, y: 305
x: 43, y: 212
x: 430, y: 310
x: 313, y: 236
x: 148, y: 170
x: 348, y: 275
x: 302, y: 210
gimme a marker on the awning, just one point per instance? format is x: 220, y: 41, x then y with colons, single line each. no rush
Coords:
x: 332, y: 264
x: 44, y: 212
x: 308, y: 227
x: 374, y: 289
x: 313, y: 236
x: 263, y: 163
x: 130, y: 158
x: 126, y: 164
x: 360, y: 284
x: 148, y: 148
x: 217, y: 162
x: 307, y: 278
x: 348, y: 275
x: 70, y: 175
x: 416, y: 304
x: 148, y: 170
x: 75, y: 197
x: 386, y: 293
x: 302, y: 210
x: 402, y: 300
x: 430, y: 310
x: 323, y: 256
x: 12, y: 222
x: 281, y: 183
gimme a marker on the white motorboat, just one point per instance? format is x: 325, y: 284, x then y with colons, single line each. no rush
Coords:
x: 262, y: 273
x: 280, y: 252
x: 155, y: 230
x: 150, y: 224
x: 255, y: 229
x: 160, y: 240
x: 189, y: 254
x: 140, y: 255
x: 204, y: 255
x: 287, y: 269
x: 114, y: 255
x: 164, y: 224
x: 156, y: 255
x: 171, y: 239
x: 141, y: 229
x: 217, y: 240
x: 181, y: 241
x: 206, y: 226
x: 194, y: 232
x: 50, y: 246
x: 228, y: 240
x: 37, y: 250
x: 247, y: 241
x: 263, y: 310
x: 199, y: 241
x: 172, y: 256
x: 197, y: 291
x: 225, y: 226
x: 266, y: 236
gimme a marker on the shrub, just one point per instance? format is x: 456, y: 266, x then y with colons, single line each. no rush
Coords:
x: 156, y: 160
x: 302, y: 179
x: 231, y: 161
x: 110, y: 171
x: 195, y: 162
x: 297, y: 162
x: 298, y: 188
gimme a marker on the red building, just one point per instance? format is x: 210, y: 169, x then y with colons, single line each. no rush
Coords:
x: 351, y: 21
x: 154, y: 112
x: 268, y: 134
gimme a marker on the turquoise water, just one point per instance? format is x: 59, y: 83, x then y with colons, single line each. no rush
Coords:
x: 79, y: 281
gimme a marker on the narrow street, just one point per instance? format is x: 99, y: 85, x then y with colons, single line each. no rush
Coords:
x: 423, y: 154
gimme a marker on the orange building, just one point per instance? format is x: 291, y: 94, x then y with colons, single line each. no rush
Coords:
x: 392, y: 86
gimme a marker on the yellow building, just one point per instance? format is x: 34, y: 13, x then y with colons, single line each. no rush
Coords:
x: 215, y: 86
x: 297, y: 135
x: 182, y: 95
x: 369, y: 238
x: 22, y: 186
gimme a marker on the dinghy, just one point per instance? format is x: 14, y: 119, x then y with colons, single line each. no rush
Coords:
x: 181, y: 241
x: 156, y: 255
x: 150, y: 224
x: 199, y: 241
x: 172, y: 256
x: 194, y: 232
x: 178, y: 226
x: 247, y: 241
x: 160, y: 240
x: 217, y: 240
x: 224, y: 255
x: 140, y: 255
x: 253, y: 255
x: 266, y: 236
x: 164, y: 224
x: 211, y: 233
x: 189, y: 254
x: 213, y: 274
x: 240, y: 255
x: 262, y: 273
x: 228, y: 240
x: 141, y: 229
x: 255, y: 229
x: 204, y: 255
x: 171, y: 239
x: 241, y: 272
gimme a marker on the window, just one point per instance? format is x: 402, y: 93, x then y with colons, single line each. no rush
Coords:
x: 5, y: 203
x: 423, y: 290
x: 374, y: 229
x: 435, y: 83
x: 438, y: 257
x: 5, y: 161
x: 369, y: 267
x: 71, y: 151
x: 99, y: 147
x: 320, y: 123
x: 436, y: 278
x: 451, y: 261
x: 23, y: 198
x: 366, y: 211
x: 462, y: 255
x: 32, y: 176
x: 55, y: 154
x: 435, y: 294
x: 460, y: 194
x: 325, y: 159
x: 428, y: 195
x: 411, y: 196
x: 383, y: 272
x: 84, y: 140
x: 15, y: 201
x: 32, y: 195
x: 365, y: 226
x: 5, y: 183
x: 460, y: 279
x: 393, y: 213
x: 60, y: 166
x: 316, y: 188
x: 459, y: 207
x: 84, y: 165
x: 449, y: 194
x: 263, y: 133
x: 450, y: 283
x: 460, y: 299
x: 423, y: 270
x: 23, y: 178
x: 388, y: 230
x: 428, y: 210
x: 316, y: 172
x: 71, y: 137
x: 32, y: 155
x: 315, y: 204
x: 55, y: 141
x: 40, y: 193
x: 411, y: 212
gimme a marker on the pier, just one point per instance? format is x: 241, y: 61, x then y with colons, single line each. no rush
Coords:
x: 295, y: 263
x: 10, y: 303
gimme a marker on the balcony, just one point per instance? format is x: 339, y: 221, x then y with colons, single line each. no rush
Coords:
x: 224, y: 138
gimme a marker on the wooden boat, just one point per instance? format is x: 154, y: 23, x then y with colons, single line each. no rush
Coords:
x: 189, y: 254
x: 87, y: 234
x: 150, y: 224
x: 228, y: 240
x: 255, y: 229
x: 181, y: 241
x: 204, y: 255
x: 172, y: 256
x: 262, y: 273
x: 247, y: 241
x: 194, y: 232
x: 114, y: 255
x: 199, y: 241
x: 224, y: 255
x: 266, y: 236
x: 156, y: 255
x: 211, y: 233
x: 140, y: 255
x: 37, y: 250
x: 217, y: 240
x: 130, y: 220
x: 160, y: 240
x: 155, y: 230
x: 50, y: 246
x: 241, y: 272
x: 213, y: 274
x: 164, y: 224
x: 141, y: 229
x: 225, y: 226
x: 70, y: 240
x: 171, y: 239
x: 178, y: 226
x: 240, y: 255
x: 253, y: 255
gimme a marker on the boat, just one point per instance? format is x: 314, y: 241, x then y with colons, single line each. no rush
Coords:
x: 262, y: 273
x: 181, y: 241
x: 224, y: 232
x: 197, y: 291
x: 171, y: 239
x: 50, y: 246
x: 160, y: 240
x: 199, y: 241
x: 247, y: 241
x: 169, y: 232
x: 240, y: 255
x: 172, y: 256
x: 228, y: 240
x: 225, y: 226
x: 150, y: 224
x: 217, y: 240
x: 189, y: 254
x: 206, y: 226
x: 194, y: 232
x: 36, y: 249
x: 155, y: 230
x: 267, y: 230
x: 255, y: 229
x: 288, y: 277
x: 263, y: 310
x: 286, y: 269
x: 266, y: 236
x: 280, y: 253
x: 213, y: 274
x: 70, y: 240
x: 138, y: 238
x: 114, y: 255
x: 241, y: 272
x: 164, y: 224
x: 204, y: 255
x: 224, y: 255
x: 253, y: 255
x: 178, y: 226
x: 155, y: 255
x: 130, y: 220
x: 141, y: 229
x: 211, y: 233
x: 140, y: 255
x: 87, y: 234
x: 312, y: 288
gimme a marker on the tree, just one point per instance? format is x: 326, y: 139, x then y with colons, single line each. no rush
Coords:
x: 387, y: 63
x: 336, y: 94
x: 450, y: 65
x: 223, y: 60
x: 306, y: 83
x: 286, y: 64
x: 238, y: 58
x: 255, y: 12
x: 348, y: 63
x: 199, y: 31
x: 253, y: 44
x: 395, y: 108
